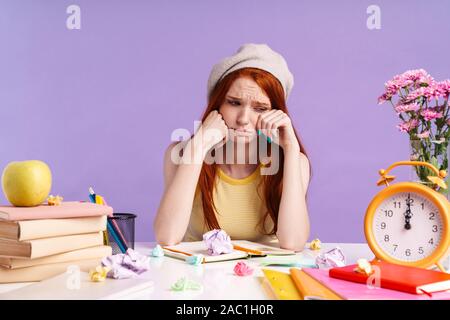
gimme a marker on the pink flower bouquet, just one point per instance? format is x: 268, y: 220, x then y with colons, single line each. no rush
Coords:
x: 421, y: 103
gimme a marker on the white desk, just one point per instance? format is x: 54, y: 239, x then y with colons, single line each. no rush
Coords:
x: 218, y: 279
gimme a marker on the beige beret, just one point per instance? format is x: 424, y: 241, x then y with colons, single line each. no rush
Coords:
x: 252, y: 55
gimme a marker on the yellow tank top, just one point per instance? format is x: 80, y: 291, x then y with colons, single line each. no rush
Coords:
x: 239, y: 209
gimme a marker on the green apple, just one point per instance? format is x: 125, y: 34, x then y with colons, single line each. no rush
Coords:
x: 26, y: 183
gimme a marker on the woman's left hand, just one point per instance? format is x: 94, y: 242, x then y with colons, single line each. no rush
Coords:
x: 277, y: 126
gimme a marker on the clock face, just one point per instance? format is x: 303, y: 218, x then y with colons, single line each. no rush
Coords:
x: 408, y: 226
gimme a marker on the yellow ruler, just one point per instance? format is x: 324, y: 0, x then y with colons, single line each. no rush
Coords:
x: 282, y: 285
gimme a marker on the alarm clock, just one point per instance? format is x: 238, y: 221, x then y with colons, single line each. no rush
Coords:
x: 407, y: 223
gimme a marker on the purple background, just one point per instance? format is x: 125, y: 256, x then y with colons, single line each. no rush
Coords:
x: 99, y: 104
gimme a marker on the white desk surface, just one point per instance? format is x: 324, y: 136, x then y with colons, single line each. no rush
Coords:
x: 218, y: 279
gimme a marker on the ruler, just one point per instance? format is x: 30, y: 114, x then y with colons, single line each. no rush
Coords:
x: 282, y: 285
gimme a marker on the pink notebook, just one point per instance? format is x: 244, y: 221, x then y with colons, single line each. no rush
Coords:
x: 356, y: 291
x: 69, y: 209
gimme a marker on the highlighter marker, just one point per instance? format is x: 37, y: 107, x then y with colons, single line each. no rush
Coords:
x: 269, y: 140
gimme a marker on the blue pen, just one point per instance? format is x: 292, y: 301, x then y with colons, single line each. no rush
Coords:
x: 116, y: 238
x: 91, y: 195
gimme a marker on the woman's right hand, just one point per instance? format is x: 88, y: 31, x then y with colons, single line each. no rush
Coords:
x: 213, y: 132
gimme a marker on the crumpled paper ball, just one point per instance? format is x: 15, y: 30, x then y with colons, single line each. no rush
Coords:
x: 218, y: 242
x: 126, y: 265
x: 99, y: 274
x: 195, y: 259
x: 333, y: 258
x: 242, y: 269
x: 54, y: 200
x: 184, y: 284
x: 315, y: 244
x: 364, y: 267
x: 157, y: 251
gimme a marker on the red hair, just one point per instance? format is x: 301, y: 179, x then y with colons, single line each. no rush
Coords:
x: 271, y: 185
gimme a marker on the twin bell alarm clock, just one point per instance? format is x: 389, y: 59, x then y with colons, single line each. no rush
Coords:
x: 407, y: 223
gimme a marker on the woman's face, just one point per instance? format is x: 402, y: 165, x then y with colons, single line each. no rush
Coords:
x: 243, y: 104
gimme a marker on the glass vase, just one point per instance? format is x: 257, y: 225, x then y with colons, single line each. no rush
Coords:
x: 436, y: 153
x: 433, y: 152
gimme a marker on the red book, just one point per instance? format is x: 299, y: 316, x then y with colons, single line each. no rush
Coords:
x: 396, y: 277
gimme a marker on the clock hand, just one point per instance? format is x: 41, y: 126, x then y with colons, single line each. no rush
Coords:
x: 408, y: 213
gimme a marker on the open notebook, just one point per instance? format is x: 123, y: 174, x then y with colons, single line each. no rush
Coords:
x: 63, y: 287
x: 242, y: 249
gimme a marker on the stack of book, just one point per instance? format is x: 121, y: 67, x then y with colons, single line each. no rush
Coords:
x: 40, y: 242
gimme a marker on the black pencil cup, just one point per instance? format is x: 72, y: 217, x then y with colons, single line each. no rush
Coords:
x: 120, y: 232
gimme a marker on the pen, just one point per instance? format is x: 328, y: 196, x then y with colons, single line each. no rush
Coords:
x: 178, y: 251
x: 251, y: 251
x: 113, y: 228
x: 268, y: 138
x: 92, y: 199
x: 116, y: 238
x: 92, y: 195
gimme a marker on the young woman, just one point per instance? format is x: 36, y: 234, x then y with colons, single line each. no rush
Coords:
x: 247, y: 95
